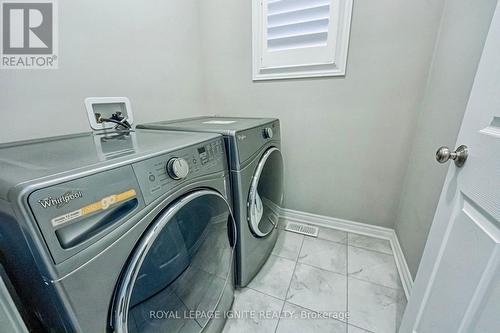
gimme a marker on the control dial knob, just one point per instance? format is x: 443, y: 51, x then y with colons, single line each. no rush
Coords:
x: 268, y: 133
x: 177, y: 168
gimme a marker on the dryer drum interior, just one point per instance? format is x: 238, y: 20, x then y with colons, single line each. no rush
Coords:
x: 181, y: 268
x: 266, y: 193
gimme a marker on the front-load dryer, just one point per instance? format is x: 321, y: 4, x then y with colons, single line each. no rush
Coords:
x: 122, y: 232
x: 257, y: 181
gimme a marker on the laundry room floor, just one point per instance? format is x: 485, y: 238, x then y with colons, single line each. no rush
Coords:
x: 309, y: 284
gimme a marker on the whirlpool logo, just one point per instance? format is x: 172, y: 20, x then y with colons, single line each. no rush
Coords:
x: 60, y: 201
x: 29, y: 34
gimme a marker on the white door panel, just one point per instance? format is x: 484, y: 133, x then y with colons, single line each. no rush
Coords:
x: 486, y: 315
x: 457, y: 288
x: 464, y: 257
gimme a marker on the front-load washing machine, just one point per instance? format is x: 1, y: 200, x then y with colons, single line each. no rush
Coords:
x: 122, y: 232
x: 257, y: 181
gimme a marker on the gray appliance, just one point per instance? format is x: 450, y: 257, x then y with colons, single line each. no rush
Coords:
x: 10, y: 319
x: 123, y: 232
x: 257, y: 181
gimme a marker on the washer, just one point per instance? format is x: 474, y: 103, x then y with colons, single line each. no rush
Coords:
x: 10, y: 316
x: 257, y: 181
x: 128, y: 232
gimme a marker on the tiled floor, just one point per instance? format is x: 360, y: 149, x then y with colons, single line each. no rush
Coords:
x: 309, y: 284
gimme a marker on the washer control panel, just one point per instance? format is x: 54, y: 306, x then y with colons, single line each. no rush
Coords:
x: 161, y: 174
x: 210, y: 151
x: 177, y: 168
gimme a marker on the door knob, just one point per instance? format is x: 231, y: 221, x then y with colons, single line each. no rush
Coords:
x: 444, y: 154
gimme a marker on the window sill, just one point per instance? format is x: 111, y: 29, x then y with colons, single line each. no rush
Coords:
x: 291, y: 73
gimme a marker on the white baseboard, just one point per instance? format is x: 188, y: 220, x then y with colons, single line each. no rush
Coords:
x: 358, y: 228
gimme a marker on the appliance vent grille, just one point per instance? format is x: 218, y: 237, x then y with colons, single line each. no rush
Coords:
x: 302, y: 228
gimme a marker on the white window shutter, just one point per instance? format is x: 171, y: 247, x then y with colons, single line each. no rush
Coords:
x: 292, y: 37
x: 295, y: 24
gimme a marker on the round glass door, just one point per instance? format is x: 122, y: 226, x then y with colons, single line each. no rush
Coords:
x: 266, y: 193
x: 180, y: 268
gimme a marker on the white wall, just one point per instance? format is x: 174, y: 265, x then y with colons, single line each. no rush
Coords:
x: 148, y: 51
x: 345, y: 140
x: 462, y: 34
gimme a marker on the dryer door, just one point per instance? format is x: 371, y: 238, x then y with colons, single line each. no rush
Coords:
x: 266, y: 193
x: 181, y: 269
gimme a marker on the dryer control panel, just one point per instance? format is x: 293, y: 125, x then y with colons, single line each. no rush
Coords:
x: 248, y: 142
x: 162, y: 174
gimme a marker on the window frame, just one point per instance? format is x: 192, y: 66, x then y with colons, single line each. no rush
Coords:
x: 336, y: 66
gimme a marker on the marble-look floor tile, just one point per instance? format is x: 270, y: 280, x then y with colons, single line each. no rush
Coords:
x: 274, y: 277
x: 354, y: 329
x: 214, y: 253
x: 324, y: 254
x: 333, y: 235
x: 198, y: 289
x: 282, y: 224
x: 317, y: 289
x: 318, y: 285
x: 296, y: 319
x: 370, y: 243
x: 288, y: 245
x: 374, y: 307
x: 166, y: 301
x: 249, y: 304
x: 373, y: 266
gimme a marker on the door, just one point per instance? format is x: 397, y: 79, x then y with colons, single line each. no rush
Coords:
x: 180, y: 269
x: 457, y: 288
x: 266, y: 193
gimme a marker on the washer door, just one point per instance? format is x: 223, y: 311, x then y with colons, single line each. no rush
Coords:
x: 266, y: 193
x: 180, y: 268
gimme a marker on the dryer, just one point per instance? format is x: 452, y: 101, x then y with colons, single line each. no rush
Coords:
x: 256, y: 167
x: 128, y: 232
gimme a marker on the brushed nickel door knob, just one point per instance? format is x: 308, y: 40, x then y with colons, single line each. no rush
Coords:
x: 444, y: 154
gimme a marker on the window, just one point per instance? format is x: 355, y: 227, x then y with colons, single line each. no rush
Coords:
x: 300, y: 38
